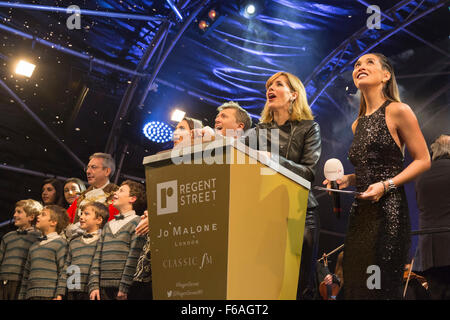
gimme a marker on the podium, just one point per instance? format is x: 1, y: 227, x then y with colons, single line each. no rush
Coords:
x: 224, y: 225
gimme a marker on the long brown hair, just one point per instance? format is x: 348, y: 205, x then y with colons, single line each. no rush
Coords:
x: 300, y: 106
x: 390, y: 88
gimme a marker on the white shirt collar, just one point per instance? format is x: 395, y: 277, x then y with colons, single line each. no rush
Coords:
x: 50, y: 237
x: 96, y: 235
x: 103, y: 186
x: 116, y: 224
x: 129, y: 213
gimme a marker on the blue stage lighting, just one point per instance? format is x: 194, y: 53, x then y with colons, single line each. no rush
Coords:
x: 158, y: 131
x: 251, y: 8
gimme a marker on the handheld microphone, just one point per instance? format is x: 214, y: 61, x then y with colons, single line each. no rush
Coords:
x: 333, y: 170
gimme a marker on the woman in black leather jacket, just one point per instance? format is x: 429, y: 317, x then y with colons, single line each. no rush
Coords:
x: 288, y: 111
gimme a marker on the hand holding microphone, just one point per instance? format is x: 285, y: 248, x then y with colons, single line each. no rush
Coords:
x: 334, y: 172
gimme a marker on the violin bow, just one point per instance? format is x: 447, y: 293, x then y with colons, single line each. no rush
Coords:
x: 407, y: 279
x: 331, y: 252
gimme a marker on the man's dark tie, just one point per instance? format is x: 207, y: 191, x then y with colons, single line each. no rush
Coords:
x: 22, y: 231
x: 88, y: 235
x: 119, y: 217
x: 43, y: 238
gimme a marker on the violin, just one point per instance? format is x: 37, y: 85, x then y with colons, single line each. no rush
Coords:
x: 328, y: 291
x: 413, y: 275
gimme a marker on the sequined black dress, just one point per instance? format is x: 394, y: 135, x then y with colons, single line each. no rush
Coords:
x: 378, y: 233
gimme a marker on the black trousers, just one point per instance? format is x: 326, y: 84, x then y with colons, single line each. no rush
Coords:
x: 438, y: 282
x: 9, y: 289
x: 108, y: 293
x: 77, y: 295
x: 140, y: 291
x: 306, y: 286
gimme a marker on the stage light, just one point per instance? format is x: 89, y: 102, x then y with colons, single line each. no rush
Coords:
x: 212, y: 14
x: 25, y: 68
x: 177, y: 115
x: 158, y: 131
x: 250, y: 9
x: 210, y: 18
x: 203, y: 25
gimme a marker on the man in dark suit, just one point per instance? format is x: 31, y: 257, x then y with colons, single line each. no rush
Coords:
x: 433, y: 199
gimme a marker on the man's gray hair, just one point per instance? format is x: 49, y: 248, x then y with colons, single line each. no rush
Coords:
x: 241, y: 114
x: 441, y: 147
x: 108, y: 161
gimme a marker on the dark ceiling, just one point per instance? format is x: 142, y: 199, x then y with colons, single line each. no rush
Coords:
x: 77, y: 98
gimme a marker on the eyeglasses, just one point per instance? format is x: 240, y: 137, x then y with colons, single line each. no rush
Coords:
x: 93, y: 167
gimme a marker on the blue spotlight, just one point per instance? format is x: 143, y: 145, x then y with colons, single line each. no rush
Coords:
x: 157, y: 131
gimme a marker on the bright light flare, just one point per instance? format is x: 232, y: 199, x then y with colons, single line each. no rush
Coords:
x: 25, y: 68
x: 250, y: 9
x: 177, y: 115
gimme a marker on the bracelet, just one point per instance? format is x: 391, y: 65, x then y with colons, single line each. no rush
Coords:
x: 392, y: 185
x: 384, y: 187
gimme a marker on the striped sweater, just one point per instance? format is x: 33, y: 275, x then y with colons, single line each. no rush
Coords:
x: 13, y: 253
x: 116, y: 257
x: 42, y: 275
x: 79, y: 259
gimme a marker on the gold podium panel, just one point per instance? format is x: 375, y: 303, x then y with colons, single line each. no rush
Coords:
x: 223, y: 225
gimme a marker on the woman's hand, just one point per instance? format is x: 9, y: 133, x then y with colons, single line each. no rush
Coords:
x: 374, y: 192
x: 205, y: 134
x: 346, y: 181
x: 328, y: 279
x: 142, y: 227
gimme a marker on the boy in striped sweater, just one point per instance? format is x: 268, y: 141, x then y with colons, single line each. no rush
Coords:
x: 45, y: 263
x: 14, y: 248
x: 119, y: 247
x: 93, y: 217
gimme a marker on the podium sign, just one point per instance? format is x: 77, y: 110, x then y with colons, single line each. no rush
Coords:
x: 224, y: 231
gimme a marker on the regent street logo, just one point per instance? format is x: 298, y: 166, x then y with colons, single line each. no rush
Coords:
x: 171, y: 194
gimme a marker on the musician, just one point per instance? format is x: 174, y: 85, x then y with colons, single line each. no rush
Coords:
x: 433, y: 200
x: 328, y: 279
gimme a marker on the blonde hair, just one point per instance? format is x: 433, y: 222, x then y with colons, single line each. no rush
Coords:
x: 300, y: 109
x: 390, y: 88
x: 441, y: 147
x: 31, y: 207
x: 240, y: 114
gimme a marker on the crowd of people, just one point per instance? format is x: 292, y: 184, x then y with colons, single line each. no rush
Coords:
x: 102, y: 232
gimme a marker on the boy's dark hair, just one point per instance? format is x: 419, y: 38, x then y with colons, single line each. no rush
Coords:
x: 137, y: 190
x: 101, y: 211
x: 58, y: 214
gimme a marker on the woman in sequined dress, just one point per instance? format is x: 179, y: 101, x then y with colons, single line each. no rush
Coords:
x: 378, y: 240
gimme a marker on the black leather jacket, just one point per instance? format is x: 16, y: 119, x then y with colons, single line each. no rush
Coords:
x: 299, y: 147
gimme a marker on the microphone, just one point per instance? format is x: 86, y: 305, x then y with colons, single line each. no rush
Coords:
x: 333, y: 170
